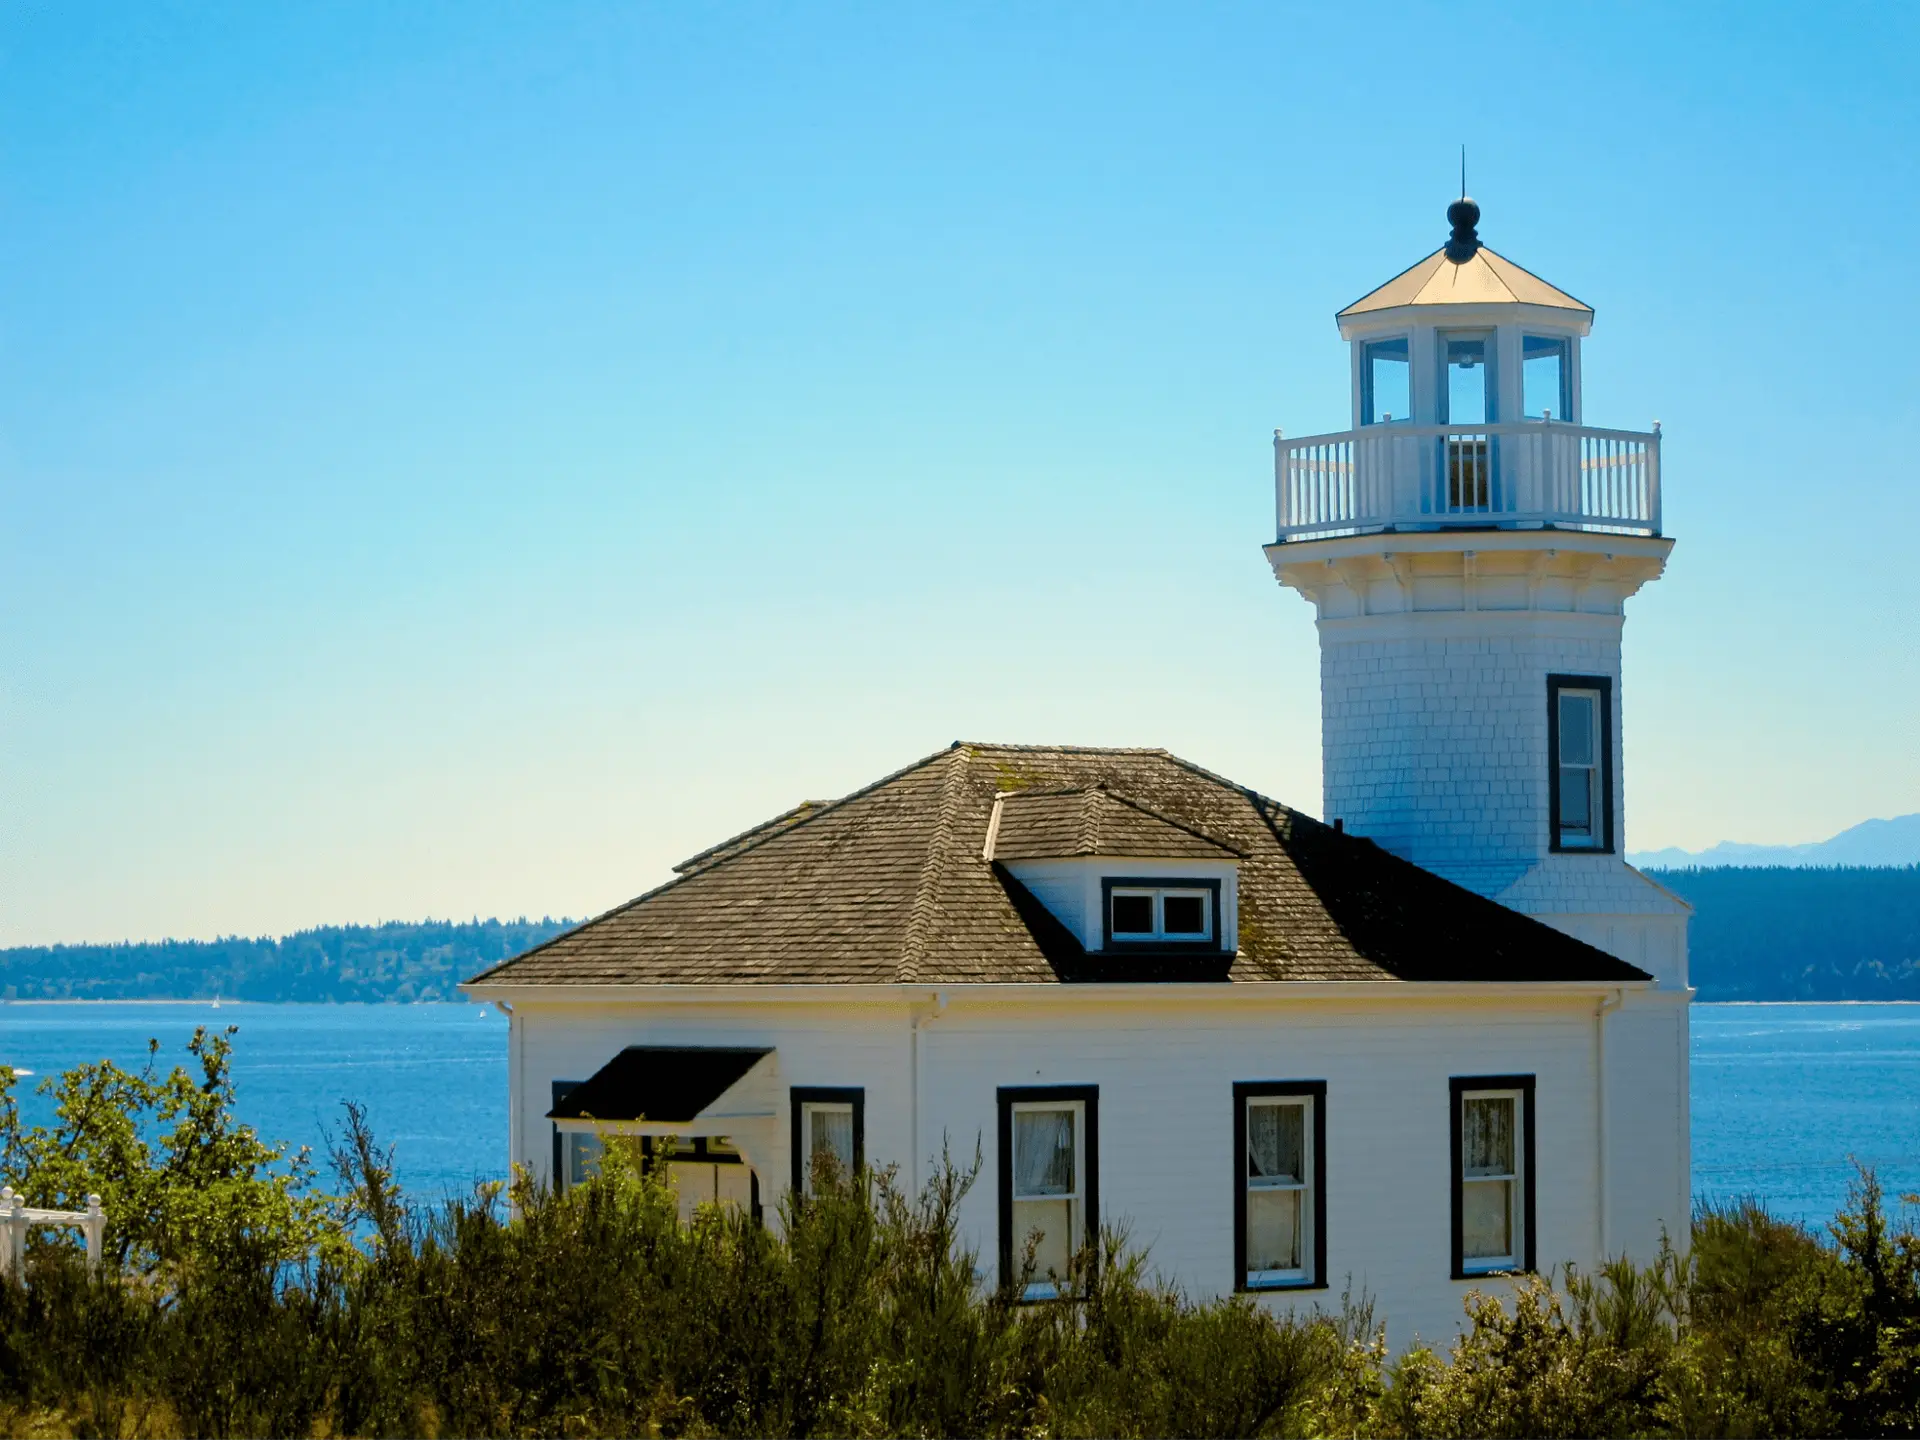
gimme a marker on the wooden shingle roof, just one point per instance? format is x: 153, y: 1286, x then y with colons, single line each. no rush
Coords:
x: 890, y: 884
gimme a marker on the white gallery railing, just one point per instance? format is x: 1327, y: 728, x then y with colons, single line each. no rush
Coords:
x: 1397, y: 476
x: 17, y: 1217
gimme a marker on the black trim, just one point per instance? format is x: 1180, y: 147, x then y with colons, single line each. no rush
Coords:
x: 558, y: 1177
x: 1243, y: 1091
x: 1159, y: 944
x: 1603, y: 684
x: 799, y: 1096
x: 1457, y: 1086
x: 1006, y: 1098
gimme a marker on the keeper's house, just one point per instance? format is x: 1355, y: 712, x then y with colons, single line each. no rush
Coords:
x: 1442, y: 1041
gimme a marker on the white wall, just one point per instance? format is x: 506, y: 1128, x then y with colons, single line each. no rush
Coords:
x: 1165, y: 1063
x: 1434, y: 734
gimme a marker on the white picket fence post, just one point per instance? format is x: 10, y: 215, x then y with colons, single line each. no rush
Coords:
x: 16, y: 1216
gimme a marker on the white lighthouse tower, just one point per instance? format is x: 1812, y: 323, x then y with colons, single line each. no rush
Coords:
x: 1469, y: 547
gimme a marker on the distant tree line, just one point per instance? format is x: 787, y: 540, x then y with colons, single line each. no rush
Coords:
x: 1773, y: 933
x: 399, y: 961
x: 1779, y: 933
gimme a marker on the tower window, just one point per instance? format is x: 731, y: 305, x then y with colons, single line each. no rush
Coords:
x: 1385, y: 382
x: 1580, y: 769
x: 1546, y: 379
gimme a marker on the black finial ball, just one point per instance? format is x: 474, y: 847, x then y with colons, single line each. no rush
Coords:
x: 1463, y: 215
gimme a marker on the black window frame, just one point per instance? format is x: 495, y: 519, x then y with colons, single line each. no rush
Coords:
x: 1005, y: 1099
x: 558, y: 1176
x: 798, y: 1097
x: 1214, y: 946
x: 1243, y: 1092
x: 1457, y: 1087
x: 1603, y: 684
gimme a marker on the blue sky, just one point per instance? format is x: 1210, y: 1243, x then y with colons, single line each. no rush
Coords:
x: 459, y: 459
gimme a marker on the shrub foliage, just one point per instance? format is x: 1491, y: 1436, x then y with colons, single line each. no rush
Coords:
x: 276, y: 1308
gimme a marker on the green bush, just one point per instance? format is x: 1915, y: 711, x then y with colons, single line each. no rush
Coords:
x: 275, y: 1308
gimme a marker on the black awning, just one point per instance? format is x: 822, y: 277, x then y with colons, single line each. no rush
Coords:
x: 657, y: 1083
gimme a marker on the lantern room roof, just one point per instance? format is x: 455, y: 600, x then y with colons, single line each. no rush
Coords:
x: 1483, y: 278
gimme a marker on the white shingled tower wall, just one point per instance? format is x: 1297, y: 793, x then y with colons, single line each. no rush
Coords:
x: 1468, y: 541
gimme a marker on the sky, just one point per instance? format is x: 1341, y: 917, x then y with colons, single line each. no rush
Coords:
x: 459, y: 459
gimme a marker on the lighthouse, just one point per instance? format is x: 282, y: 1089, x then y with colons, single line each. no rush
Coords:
x: 1469, y: 547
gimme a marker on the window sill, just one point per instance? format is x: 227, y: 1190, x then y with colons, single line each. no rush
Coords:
x: 1256, y: 1288
x: 1480, y: 1273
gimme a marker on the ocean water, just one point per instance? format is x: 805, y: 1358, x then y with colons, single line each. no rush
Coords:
x: 433, y: 1078
x: 1785, y: 1097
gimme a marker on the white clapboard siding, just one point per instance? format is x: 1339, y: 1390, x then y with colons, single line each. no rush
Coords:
x: 1165, y: 1060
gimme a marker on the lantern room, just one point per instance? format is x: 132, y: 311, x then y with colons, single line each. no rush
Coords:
x: 1466, y: 411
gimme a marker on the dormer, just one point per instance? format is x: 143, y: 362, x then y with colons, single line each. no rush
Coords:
x: 1125, y: 879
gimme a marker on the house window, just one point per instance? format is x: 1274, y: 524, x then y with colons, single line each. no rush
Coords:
x: 1492, y: 1145
x: 828, y: 1122
x: 576, y: 1154
x: 1156, y: 912
x: 1580, y: 777
x: 1280, y: 1184
x: 1546, y: 378
x: 706, y: 1171
x: 1049, y: 1178
x: 1385, y: 380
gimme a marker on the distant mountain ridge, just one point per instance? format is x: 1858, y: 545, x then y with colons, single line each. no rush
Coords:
x: 1894, y: 842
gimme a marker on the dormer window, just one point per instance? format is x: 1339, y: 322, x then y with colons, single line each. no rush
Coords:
x: 1162, y: 913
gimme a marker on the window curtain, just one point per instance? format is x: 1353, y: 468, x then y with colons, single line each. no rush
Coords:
x: 832, y: 1131
x: 1487, y: 1136
x: 1276, y: 1142
x: 1043, y: 1153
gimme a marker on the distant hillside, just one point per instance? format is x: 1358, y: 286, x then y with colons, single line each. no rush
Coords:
x: 401, y: 961
x: 1759, y: 934
x: 1783, y: 933
x: 1893, y: 842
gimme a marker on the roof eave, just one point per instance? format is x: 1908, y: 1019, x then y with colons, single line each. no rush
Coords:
x: 1147, y: 993
x: 1355, y: 323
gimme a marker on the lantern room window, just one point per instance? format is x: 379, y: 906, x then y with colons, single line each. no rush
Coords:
x: 1386, y: 382
x: 1468, y: 393
x: 1546, y: 378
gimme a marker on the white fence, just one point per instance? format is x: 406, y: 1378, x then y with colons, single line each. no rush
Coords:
x: 17, y: 1217
x: 1428, y: 477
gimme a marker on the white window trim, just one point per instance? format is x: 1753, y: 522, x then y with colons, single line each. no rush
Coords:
x: 1045, y: 1290
x: 809, y: 1109
x: 1160, y: 932
x: 1516, y: 1186
x: 1303, y: 1273
x: 1594, y: 836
